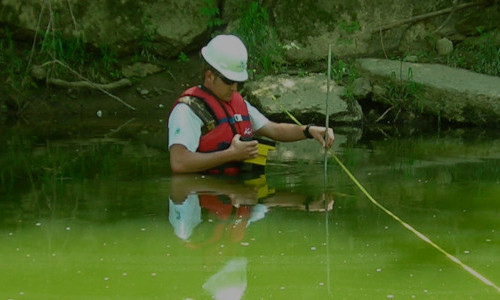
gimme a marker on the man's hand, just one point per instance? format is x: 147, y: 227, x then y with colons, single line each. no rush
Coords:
x: 318, y: 133
x: 244, y: 149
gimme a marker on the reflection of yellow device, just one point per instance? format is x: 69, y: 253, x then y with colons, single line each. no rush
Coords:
x: 264, y: 147
x: 261, y: 186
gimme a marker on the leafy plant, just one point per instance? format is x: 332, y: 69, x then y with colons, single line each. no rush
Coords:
x: 211, y: 11
x: 265, y: 50
x: 481, y: 55
x: 183, y: 58
x: 146, y: 41
x: 404, y: 94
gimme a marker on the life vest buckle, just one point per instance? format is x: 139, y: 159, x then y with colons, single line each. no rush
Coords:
x: 238, y: 118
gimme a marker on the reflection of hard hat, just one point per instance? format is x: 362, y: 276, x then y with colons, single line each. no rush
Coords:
x: 228, y: 55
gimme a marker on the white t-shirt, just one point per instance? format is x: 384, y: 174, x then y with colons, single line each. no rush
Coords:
x: 184, y: 126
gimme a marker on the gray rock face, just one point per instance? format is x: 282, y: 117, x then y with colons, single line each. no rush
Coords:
x: 302, y: 95
x: 454, y: 94
x: 160, y: 27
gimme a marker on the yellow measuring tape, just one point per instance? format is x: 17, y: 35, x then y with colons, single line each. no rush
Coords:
x: 406, y: 225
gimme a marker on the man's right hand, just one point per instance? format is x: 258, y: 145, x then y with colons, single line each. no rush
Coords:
x: 244, y: 149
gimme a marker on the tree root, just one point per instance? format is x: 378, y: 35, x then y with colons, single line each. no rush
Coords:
x: 87, y: 84
x: 428, y: 15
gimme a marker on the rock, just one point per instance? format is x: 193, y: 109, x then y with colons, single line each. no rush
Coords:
x: 38, y: 72
x: 361, y: 87
x: 444, y: 47
x: 303, y: 95
x: 452, y: 94
x: 139, y: 69
x: 143, y: 27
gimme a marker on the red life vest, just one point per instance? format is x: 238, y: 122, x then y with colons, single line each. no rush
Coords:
x: 231, y: 117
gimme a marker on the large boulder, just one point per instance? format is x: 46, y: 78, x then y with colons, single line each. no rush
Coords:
x: 302, y: 96
x: 158, y: 27
x: 453, y: 94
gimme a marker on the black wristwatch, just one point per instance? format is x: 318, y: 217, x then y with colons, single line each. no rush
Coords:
x: 307, y: 134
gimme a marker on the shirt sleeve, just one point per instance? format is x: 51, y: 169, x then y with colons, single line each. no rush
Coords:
x: 257, y: 119
x: 184, y: 127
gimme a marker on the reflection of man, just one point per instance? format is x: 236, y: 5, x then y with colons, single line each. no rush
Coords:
x: 184, y: 216
x: 230, y: 282
x: 232, y: 203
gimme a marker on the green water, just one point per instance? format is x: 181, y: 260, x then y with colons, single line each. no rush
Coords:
x: 90, y: 214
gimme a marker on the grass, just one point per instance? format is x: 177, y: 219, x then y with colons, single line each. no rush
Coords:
x: 481, y: 55
x: 266, y: 53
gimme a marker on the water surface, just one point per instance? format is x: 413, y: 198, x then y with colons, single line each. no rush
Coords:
x: 97, y: 214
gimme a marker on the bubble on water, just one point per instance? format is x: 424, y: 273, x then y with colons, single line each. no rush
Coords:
x: 106, y: 278
x: 313, y: 248
x: 168, y: 254
x: 282, y: 254
x: 466, y: 251
x: 153, y: 274
x: 124, y: 274
x: 282, y: 288
x: 488, y: 240
x: 143, y: 229
x: 244, y: 244
x: 322, y: 283
x: 390, y: 296
x: 53, y: 254
x: 379, y: 270
x: 411, y: 275
x: 11, y: 233
x: 425, y: 291
x: 38, y: 224
x: 222, y: 245
x: 68, y: 228
x: 386, y: 227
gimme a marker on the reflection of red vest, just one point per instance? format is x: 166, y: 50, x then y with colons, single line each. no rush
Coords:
x: 224, y: 209
x: 231, y: 118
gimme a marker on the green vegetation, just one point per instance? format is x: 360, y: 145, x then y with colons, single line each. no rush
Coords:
x: 265, y: 50
x: 183, y: 58
x: 344, y: 73
x: 211, y: 11
x: 481, y: 55
x: 146, y: 42
x: 404, y: 93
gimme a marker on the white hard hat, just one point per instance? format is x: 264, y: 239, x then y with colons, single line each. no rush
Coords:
x: 228, y: 55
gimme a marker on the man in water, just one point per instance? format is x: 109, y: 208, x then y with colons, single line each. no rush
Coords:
x: 212, y: 128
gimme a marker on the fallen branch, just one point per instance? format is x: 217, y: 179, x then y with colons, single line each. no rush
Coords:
x: 86, y: 84
x: 427, y: 16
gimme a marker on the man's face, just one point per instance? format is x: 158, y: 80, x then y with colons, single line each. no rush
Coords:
x: 220, y: 86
